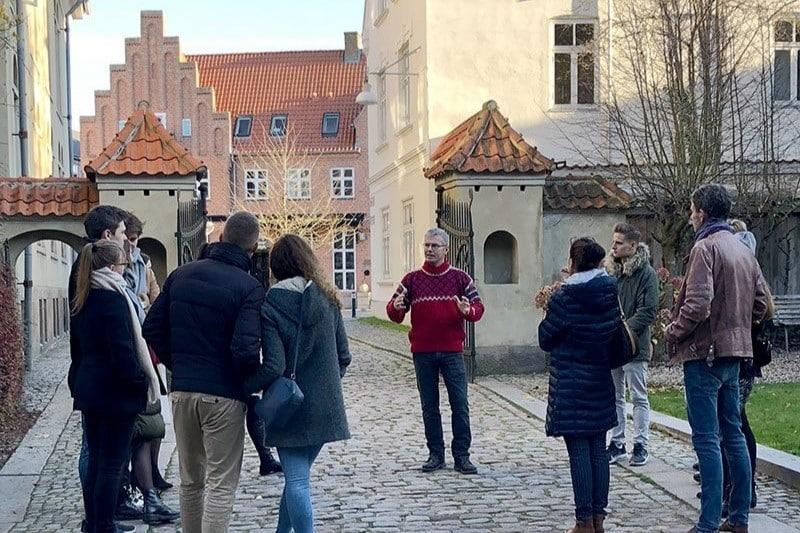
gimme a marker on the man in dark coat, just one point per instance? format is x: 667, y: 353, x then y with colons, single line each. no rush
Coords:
x: 637, y: 283
x: 204, y: 327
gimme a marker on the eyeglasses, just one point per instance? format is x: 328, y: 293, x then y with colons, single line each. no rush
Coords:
x: 433, y: 245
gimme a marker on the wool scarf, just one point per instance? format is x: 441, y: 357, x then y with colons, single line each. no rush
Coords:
x: 108, y: 280
x: 712, y: 226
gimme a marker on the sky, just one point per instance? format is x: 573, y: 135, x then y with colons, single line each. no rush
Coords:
x: 203, y: 26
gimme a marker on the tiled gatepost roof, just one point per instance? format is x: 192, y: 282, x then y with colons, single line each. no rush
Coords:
x: 574, y: 193
x: 43, y: 197
x: 486, y: 143
x: 144, y: 147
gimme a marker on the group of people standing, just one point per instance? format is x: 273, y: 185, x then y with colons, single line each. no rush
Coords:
x: 719, y: 311
x: 223, y: 341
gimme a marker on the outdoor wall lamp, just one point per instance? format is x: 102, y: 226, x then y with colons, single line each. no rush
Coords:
x: 367, y: 96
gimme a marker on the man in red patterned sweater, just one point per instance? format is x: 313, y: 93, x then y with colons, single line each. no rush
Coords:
x: 441, y: 297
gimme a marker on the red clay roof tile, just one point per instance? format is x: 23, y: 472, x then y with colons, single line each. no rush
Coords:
x: 144, y: 147
x: 576, y: 193
x: 302, y: 85
x: 486, y: 142
x: 51, y: 196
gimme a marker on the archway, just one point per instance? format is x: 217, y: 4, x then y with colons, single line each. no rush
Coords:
x: 16, y: 244
x: 158, y: 257
x: 500, y: 259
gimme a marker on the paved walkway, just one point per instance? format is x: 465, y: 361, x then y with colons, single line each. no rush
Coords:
x: 372, y: 482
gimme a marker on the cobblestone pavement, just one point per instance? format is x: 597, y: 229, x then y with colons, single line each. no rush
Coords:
x: 775, y: 498
x: 47, y: 372
x: 372, y: 482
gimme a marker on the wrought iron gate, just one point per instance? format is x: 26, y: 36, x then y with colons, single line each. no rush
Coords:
x: 191, y: 232
x: 455, y: 217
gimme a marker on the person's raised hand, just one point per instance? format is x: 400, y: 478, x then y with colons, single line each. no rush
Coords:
x: 399, y: 302
x: 463, y: 304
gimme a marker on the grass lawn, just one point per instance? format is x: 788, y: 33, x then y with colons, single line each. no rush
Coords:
x: 388, y: 324
x: 773, y: 411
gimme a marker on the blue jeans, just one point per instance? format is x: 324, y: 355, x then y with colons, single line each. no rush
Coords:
x: 83, y: 458
x: 712, y: 403
x: 588, y: 467
x: 451, y: 365
x: 296, y: 512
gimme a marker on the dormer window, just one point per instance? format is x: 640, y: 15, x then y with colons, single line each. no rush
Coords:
x: 244, y: 124
x: 330, y: 124
x: 277, y: 126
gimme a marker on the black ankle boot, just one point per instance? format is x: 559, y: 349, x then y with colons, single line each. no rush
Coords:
x: 269, y: 465
x: 156, y: 511
x: 127, y: 507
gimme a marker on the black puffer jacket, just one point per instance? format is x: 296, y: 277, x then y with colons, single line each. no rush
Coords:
x: 576, y: 331
x: 205, y: 326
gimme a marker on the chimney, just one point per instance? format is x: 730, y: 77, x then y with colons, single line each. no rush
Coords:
x: 352, y: 47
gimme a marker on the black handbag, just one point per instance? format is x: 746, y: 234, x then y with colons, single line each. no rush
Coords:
x: 622, y: 349
x: 280, y: 401
x: 762, y: 346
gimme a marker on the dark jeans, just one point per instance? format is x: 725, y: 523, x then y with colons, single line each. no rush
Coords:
x: 588, y: 466
x: 745, y: 387
x: 451, y: 366
x: 108, y: 439
x: 712, y: 403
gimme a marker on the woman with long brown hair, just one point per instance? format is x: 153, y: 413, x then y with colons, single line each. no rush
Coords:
x: 111, y: 376
x: 302, y: 337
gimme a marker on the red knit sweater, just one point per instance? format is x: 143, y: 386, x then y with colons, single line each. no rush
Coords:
x: 437, y: 324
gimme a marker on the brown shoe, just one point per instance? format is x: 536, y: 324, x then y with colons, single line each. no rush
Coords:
x: 582, y: 526
x: 598, y: 520
x: 735, y: 528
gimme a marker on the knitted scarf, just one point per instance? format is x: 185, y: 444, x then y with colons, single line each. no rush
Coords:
x: 712, y: 226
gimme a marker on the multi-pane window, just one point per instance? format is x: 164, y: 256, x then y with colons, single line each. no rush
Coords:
x: 573, y: 63
x: 344, y: 260
x: 330, y: 124
x: 382, y: 107
x: 405, y: 87
x: 186, y: 127
x: 298, y: 183
x: 255, y: 184
x: 786, y: 60
x: 277, y: 125
x: 387, y: 270
x: 342, y: 182
x: 409, y: 258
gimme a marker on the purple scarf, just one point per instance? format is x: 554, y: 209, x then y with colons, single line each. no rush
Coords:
x: 712, y: 226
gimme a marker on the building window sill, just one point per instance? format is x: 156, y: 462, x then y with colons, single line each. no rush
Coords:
x: 381, y: 147
x: 573, y: 108
x: 386, y: 283
x: 405, y: 129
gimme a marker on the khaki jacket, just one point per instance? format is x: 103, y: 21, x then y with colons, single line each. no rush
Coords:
x: 722, y: 293
x: 153, y: 290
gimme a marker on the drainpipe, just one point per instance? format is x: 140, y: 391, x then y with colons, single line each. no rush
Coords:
x: 27, y: 309
x: 68, y: 64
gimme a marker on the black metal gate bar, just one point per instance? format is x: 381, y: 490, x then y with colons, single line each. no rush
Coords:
x: 191, y: 232
x: 455, y: 217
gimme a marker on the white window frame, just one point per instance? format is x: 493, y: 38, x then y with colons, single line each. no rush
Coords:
x: 340, y: 178
x: 404, y: 86
x: 259, y: 177
x: 238, y: 127
x: 409, y: 252
x: 121, y: 124
x: 386, y: 243
x: 162, y: 118
x: 343, y: 250
x: 327, y: 115
x: 793, y: 47
x: 274, y: 131
x: 186, y: 127
x: 295, y: 180
x: 382, y: 108
x: 574, y: 51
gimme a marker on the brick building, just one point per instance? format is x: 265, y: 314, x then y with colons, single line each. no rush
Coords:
x: 232, y: 110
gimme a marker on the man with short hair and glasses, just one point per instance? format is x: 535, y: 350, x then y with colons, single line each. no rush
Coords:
x: 442, y: 298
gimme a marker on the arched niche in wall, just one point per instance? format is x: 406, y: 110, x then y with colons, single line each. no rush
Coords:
x: 500, y: 261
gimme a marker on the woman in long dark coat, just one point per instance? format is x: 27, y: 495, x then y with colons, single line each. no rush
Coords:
x: 581, y: 318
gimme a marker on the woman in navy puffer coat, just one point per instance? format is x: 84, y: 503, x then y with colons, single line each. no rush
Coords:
x: 577, y: 329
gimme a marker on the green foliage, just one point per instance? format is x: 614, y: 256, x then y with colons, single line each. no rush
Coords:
x: 378, y: 322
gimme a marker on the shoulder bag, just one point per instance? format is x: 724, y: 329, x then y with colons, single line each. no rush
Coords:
x: 622, y: 349
x: 281, y: 400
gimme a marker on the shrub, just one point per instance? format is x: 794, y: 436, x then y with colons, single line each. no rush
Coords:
x: 11, y: 358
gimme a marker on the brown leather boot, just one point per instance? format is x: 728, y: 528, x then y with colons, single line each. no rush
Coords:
x: 735, y: 528
x: 598, y: 520
x: 582, y: 526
